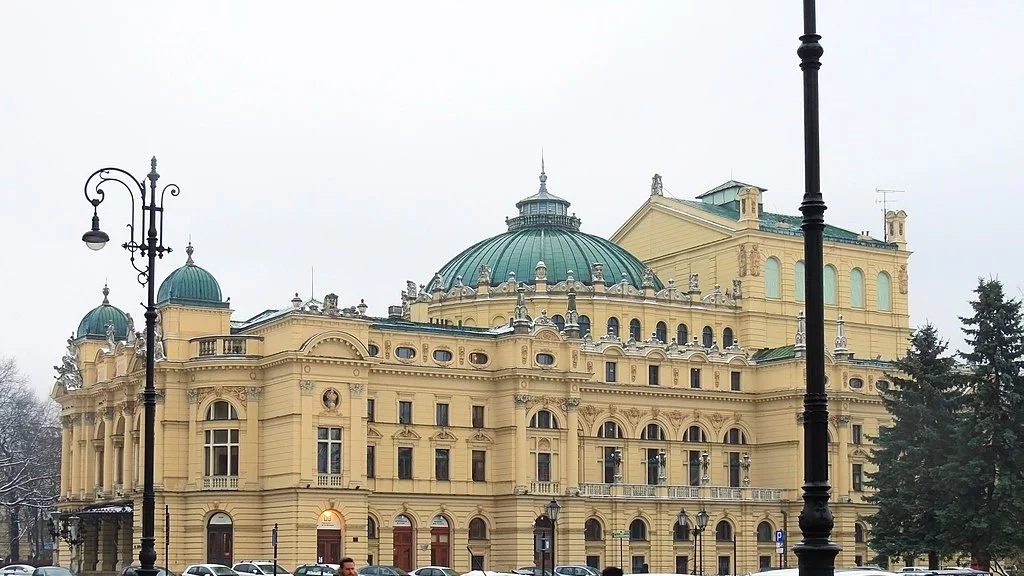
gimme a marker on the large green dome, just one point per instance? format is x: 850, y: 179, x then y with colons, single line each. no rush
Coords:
x: 545, y: 232
x: 191, y: 285
x: 94, y: 324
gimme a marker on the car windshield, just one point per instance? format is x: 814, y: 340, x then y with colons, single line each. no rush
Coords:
x: 55, y: 571
x: 269, y: 569
x: 222, y: 571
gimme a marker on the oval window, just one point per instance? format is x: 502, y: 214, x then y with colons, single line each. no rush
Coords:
x: 373, y: 349
x: 443, y: 355
x: 856, y: 383
x: 478, y: 358
x: 405, y: 352
x: 882, y: 385
x: 545, y: 359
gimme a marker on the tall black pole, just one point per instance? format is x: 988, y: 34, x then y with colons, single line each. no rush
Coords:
x: 816, y: 554
x: 554, y: 523
x: 167, y: 536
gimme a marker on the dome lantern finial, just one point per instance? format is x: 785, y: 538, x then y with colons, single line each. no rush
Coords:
x: 189, y: 250
x: 543, y: 175
x: 106, y: 292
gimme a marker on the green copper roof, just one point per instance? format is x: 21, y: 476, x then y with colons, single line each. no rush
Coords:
x: 771, y: 354
x: 191, y: 285
x: 94, y: 324
x: 545, y: 232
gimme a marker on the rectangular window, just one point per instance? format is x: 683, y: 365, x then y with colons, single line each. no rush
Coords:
x: 371, y: 461
x: 405, y: 412
x: 724, y: 565
x: 734, y: 380
x: 694, y: 460
x: 638, y: 562
x: 328, y: 450
x: 609, y: 371
x: 441, y: 464
x: 764, y: 563
x: 594, y: 561
x: 478, y: 416
x: 858, y: 433
x: 858, y: 560
x: 477, y: 562
x: 479, y: 465
x: 682, y: 564
x: 405, y: 463
x: 694, y: 377
x: 652, y: 466
x: 441, y: 415
x: 609, y: 464
x: 653, y: 372
x: 371, y: 410
x: 858, y: 477
x: 543, y: 467
x: 222, y: 452
x: 734, y: 469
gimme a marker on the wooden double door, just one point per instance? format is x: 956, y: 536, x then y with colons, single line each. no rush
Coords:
x: 328, y: 546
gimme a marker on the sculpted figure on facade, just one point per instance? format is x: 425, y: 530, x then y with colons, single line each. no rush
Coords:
x: 158, y: 338
x: 648, y: 279
x: 737, y: 289
x: 741, y: 261
x: 69, y: 374
x: 694, y: 283
x: 597, y: 272
x: 800, y: 338
x: 437, y: 284
x: 902, y: 280
x: 111, y: 339
x: 483, y: 275
x: 132, y: 336
x: 657, y: 188
x: 754, y: 262
x: 331, y: 304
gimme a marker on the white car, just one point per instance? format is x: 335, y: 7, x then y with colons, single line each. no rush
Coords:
x: 17, y: 570
x: 260, y: 568
x: 434, y: 571
x: 209, y: 570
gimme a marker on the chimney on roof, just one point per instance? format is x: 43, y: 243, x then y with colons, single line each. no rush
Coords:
x: 394, y: 312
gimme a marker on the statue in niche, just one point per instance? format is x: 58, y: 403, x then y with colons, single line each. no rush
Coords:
x: 742, y: 261
x: 754, y: 261
x: 330, y: 399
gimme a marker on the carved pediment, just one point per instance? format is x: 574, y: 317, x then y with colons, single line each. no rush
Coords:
x: 480, y: 438
x: 443, y: 435
x: 334, y: 349
x: 372, y: 432
x: 406, y: 434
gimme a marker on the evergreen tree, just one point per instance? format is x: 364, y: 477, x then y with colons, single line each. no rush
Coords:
x: 923, y: 403
x: 986, y: 467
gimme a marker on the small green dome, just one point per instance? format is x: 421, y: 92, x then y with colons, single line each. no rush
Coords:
x: 191, y: 285
x: 94, y: 324
x: 545, y: 232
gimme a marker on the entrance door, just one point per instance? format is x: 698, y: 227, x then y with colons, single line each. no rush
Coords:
x: 440, y: 547
x: 218, y: 545
x: 328, y: 546
x: 403, y: 538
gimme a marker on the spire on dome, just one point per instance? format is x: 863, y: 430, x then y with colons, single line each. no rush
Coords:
x: 543, y: 176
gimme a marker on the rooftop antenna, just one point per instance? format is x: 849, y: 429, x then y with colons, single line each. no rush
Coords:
x: 884, y: 201
x: 310, y: 282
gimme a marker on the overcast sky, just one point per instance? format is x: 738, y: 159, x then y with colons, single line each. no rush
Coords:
x: 373, y: 141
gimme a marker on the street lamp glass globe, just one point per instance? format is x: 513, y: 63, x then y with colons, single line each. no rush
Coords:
x: 95, y: 239
x: 702, y: 519
x: 553, y: 509
x: 683, y: 518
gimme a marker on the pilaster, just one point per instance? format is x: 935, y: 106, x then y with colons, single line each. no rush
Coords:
x: 108, y: 451
x: 521, y: 401
x: 251, y: 462
x: 356, y: 445
x: 572, y: 452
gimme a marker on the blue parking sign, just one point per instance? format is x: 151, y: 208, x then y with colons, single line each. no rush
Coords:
x: 780, y: 536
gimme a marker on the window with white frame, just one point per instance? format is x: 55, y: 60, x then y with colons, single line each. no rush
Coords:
x: 328, y: 450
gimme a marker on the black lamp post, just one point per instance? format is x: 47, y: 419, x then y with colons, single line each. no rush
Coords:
x: 553, y: 509
x: 816, y: 553
x: 699, y: 526
x: 151, y: 247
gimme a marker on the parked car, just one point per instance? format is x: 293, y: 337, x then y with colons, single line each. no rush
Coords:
x: 132, y: 570
x: 576, y: 570
x: 17, y: 570
x: 51, y: 571
x: 316, y: 570
x: 532, y: 571
x: 205, y: 570
x: 381, y: 571
x: 260, y: 568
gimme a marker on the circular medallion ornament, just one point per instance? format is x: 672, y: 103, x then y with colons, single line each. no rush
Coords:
x: 331, y: 399
x: 355, y: 372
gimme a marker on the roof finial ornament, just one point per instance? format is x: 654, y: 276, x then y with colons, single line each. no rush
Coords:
x: 543, y: 175
x: 106, y: 292
x: 189, y: 250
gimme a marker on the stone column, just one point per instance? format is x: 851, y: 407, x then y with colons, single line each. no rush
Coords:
x: 108, y: 451
x: 67, y: 434
x: 88, y: 453
x: 522, y: 445
x: 251, y: 459
x: 355, y: 444
x: 572, y: 452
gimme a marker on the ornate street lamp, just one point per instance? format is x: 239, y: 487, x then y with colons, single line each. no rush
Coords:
x: 699, y: 526
x: 816, y: 553
x: 149, y: 246
x: 553, y: 508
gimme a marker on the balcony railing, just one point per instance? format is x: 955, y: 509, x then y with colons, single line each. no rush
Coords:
x: 603, y: 490
x: 677, y: 492
x: 544, y: 488
x: 328, y: 480
x: 220, y: 483
x: 234, y: 345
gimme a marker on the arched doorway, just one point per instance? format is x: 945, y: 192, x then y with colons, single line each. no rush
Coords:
x: 219, y: 539
x: 440, y: 542
x: 404, y: 543
x: 542, y: 528
x: 328, y: 538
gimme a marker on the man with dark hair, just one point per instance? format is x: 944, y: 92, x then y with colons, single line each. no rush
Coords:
x: 348, y: 567
x: 612, y: 571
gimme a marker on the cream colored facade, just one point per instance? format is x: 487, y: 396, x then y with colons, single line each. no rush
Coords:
x: 526, y: 413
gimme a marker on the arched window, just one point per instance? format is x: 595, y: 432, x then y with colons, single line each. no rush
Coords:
x: 723, y: 531
x: 735, y: 436
x: 584, y: 325
x: 559, y: 321
x: 371, y: 527
x: 613, y: 326
x: 695, y: 434
x: 727, y: 337
x: 634, y: 330
x: 680, y: 532
x: 799, y: 277
x: 858, y: 533
x: 829, y: 284
x: 638, y: 529
x: 772, y: 278
x: 765, y: 532
x: 221, y: 410
x: 477, y: 529
x: 708, y: 337
x: 681, y: 335
x: 883, y: 286
x: 592, y: 531
x: 653, y: 431
x: 856, y: 288
x: 544, y: 419
x: 661, y: 332
x: 610, y: 429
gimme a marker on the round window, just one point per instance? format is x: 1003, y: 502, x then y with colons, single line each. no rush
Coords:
x: 373, y: 349
x: 405, y: 352
x: 856, y: 383
x: 545, y: 359
x: 443, y: 355
x: 478, y: 358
